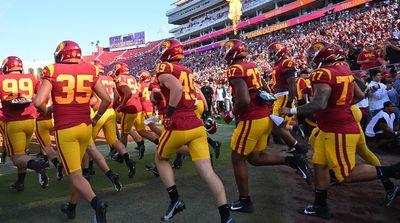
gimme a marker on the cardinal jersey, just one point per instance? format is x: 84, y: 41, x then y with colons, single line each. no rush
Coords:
x: 72, y: 89
x: 337, y: 116
x: 145, y: 98
x: 133, y: 105
x: 17, y: 91
x: 109, y: 85
x: 184, y: 115
x: 161, y: 104
x: 278, y: 80
x: 248, y: 71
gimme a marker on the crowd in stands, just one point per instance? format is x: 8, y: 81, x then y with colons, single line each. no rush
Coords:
x: 369, y: 34
x: 209, y: 18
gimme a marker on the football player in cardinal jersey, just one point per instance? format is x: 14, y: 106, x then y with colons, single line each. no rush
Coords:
x: 253, y: 124
x: 182, y: 127
x: 131, y: 108
x: 71, y: 84
x: 283, y: 83
x: 335, y: 145
x: 107, y: 123
x: 16, y: 92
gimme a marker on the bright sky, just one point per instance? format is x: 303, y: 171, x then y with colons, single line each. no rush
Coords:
x: 32, y: 29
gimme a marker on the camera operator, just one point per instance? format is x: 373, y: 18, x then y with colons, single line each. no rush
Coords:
x: 377, y: 93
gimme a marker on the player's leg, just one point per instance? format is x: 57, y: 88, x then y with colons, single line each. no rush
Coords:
x: 294, y: 146
x: 72, y: 144
x: 18, y: 135
x: 42, y: 131
x: 392, y: 191
x: 126, y: 125
x: 101, y: 162
x: 319, y: 207
x: 141, y: 129
x: 169, y: 142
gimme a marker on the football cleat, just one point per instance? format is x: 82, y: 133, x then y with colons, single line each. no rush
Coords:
x: 68, y: 210
x: 114, y: 178
x: 391, y: 195
x: 177, y: 164
x: 300, y: 163
x: 321, y: 212
x: 101, y: 211
x: 242, y: 205
x: 17, y: 186
x: 141, y: 149
x: 117, y: 157
x: 153, y: 169
x: 173, y: 209
x: 131, y: 168
x: 43, y: 178
x: 59, y: 172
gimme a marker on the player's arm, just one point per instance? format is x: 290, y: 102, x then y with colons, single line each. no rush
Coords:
x: 40, y: 98
x: 358, y: 93
x: 322, y: 92
x: 361, y: 59
x: 175, y: 88
x: 291, y: 80
x: 127, y: 93
x: 242, y: 95
x: 101, y: 92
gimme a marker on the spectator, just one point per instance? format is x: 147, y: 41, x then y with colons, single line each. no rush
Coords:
x: 220, y: 95
x: 368, y: 58
x: 377, y: 93
x: 383, y: 127
x: 208, y: 94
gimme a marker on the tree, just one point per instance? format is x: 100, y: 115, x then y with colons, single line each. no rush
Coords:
x: 97, y: 44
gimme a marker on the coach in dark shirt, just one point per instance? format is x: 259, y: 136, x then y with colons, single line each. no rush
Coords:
x: 208, y: 93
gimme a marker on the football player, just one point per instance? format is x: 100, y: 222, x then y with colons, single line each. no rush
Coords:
x: 71, y: 84
x: 253, y: 124
x: 131, y: 108
x: 182, y: 127
x: 335, y: 145
x: 17, y: 91
x: 284, y: 88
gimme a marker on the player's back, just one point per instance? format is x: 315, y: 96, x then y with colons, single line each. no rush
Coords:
x: 278, y: 80
x: 145, y: 98
x: 133, y: 105
x: 185, y: 77
x: 337, y: 117
x: 72, y: 89
x: 109, y: 85
x: 248, y: 71
x: 17, y: 91
x: 184, y: 111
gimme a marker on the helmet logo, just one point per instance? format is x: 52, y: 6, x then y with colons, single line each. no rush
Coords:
x: 278, y: 46
x: 59, y: 48
x: 318, y: 47
x: 117, y: 66
x: 165, y: 45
